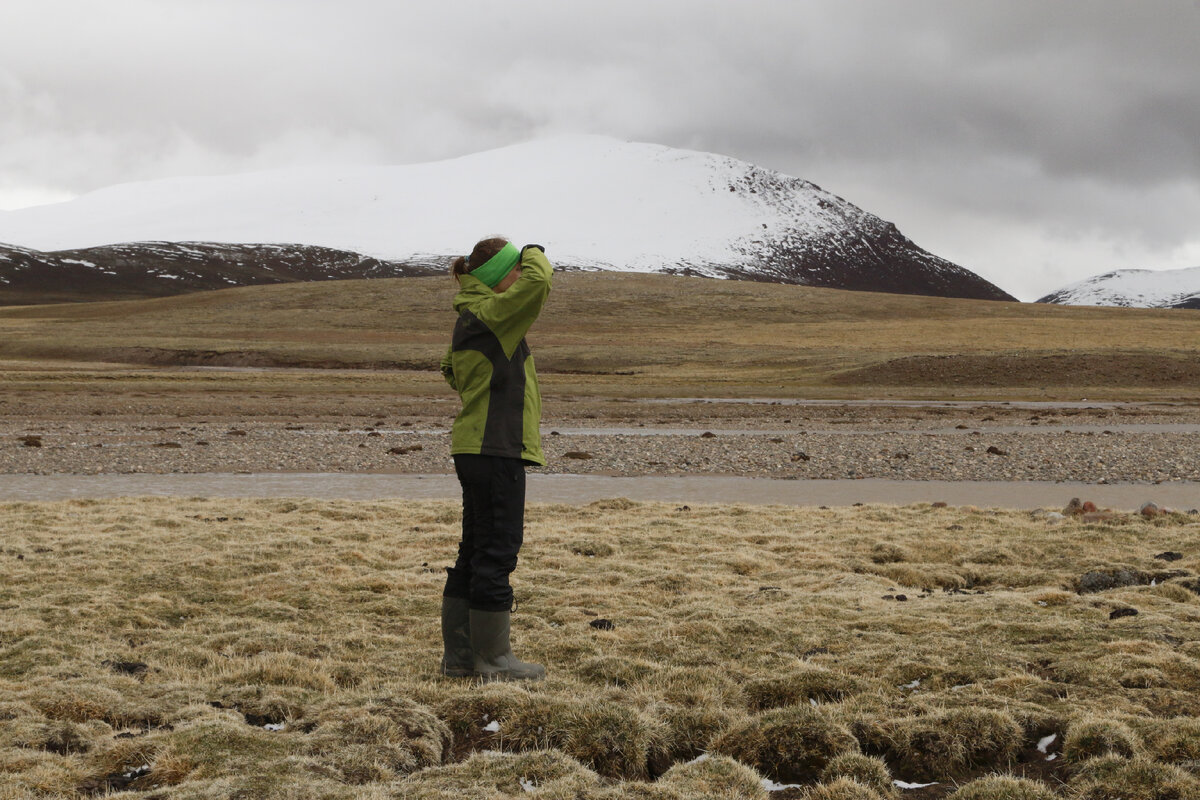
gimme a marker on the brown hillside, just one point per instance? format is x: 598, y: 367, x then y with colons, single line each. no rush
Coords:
x: 660, y: 334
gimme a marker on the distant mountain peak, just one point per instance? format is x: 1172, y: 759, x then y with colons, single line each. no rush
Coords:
x: 594, y: 201
x: 1133, y: 288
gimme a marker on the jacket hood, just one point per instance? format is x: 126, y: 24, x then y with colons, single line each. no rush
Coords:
x: 471, y: 290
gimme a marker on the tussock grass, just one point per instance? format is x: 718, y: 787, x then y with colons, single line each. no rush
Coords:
x: 1002, y: 787
x: 1116, y: 778
x: 843, y: 789
x: 950, y: 742
x: 865, y: 770
x: 289, y: 649
x: 788, y: 744
x: 1096, y: 736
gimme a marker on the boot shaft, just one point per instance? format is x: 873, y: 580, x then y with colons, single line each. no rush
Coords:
x: 457, y: 660
x: 492, y: 648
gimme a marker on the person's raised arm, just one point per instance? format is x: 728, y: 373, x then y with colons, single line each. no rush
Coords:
x: 510, y: 313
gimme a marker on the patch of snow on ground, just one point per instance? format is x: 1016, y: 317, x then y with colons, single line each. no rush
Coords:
x: 493, y: 726
x: 772, y: 786
x: 1045, y: 742
x: 906, y: 785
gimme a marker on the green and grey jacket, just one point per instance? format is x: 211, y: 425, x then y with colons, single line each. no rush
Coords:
x: 491, y: 368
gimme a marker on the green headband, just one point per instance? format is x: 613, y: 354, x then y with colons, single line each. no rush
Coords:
x: 498, y: 266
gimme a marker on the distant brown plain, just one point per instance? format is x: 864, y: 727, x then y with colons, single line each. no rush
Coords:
x: 609, y: 335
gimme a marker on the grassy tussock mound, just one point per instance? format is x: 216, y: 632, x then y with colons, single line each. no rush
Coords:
x: 788, y: 744
x: 289, y: 649
x: 1093, y: 736
x: 843, y: 789
x: 950, y: 742
x: 1002, y: 787
x: 1116, y: 778
x: 865, y: 770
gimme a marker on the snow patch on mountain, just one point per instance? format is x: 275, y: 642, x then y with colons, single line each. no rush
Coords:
x: 1134, y: 288
x: 605, y: 202
x: 593, y: 202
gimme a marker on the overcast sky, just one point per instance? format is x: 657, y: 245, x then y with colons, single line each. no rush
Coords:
x: 1035, y: 142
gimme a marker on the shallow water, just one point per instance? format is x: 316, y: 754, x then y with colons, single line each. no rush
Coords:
x: 587, y: 488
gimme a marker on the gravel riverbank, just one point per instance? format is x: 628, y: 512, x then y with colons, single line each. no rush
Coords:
x: 1144, y: 445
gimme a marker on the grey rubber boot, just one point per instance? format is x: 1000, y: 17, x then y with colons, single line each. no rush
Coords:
x: 457, y: 661
x: 494, y: 659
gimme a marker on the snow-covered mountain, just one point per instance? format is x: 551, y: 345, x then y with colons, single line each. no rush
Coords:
x: 594, y: 202
x: 1134, y: 288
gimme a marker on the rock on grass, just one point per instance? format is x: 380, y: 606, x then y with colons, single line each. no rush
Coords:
x: 1119, y: 577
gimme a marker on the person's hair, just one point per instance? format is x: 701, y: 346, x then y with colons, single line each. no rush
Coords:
x: 484, y: 250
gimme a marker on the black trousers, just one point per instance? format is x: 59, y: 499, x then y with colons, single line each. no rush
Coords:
x: 493, y: 527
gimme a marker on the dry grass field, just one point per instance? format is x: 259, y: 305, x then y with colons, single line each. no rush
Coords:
x: 288, y: 649
x: 610, y: 334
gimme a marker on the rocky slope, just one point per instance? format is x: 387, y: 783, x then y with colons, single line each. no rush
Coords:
x: 594, y: 202
x: 157, y: 269
x: 1134, y: 288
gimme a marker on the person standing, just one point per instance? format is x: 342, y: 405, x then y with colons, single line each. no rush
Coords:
x: 496, y: 434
